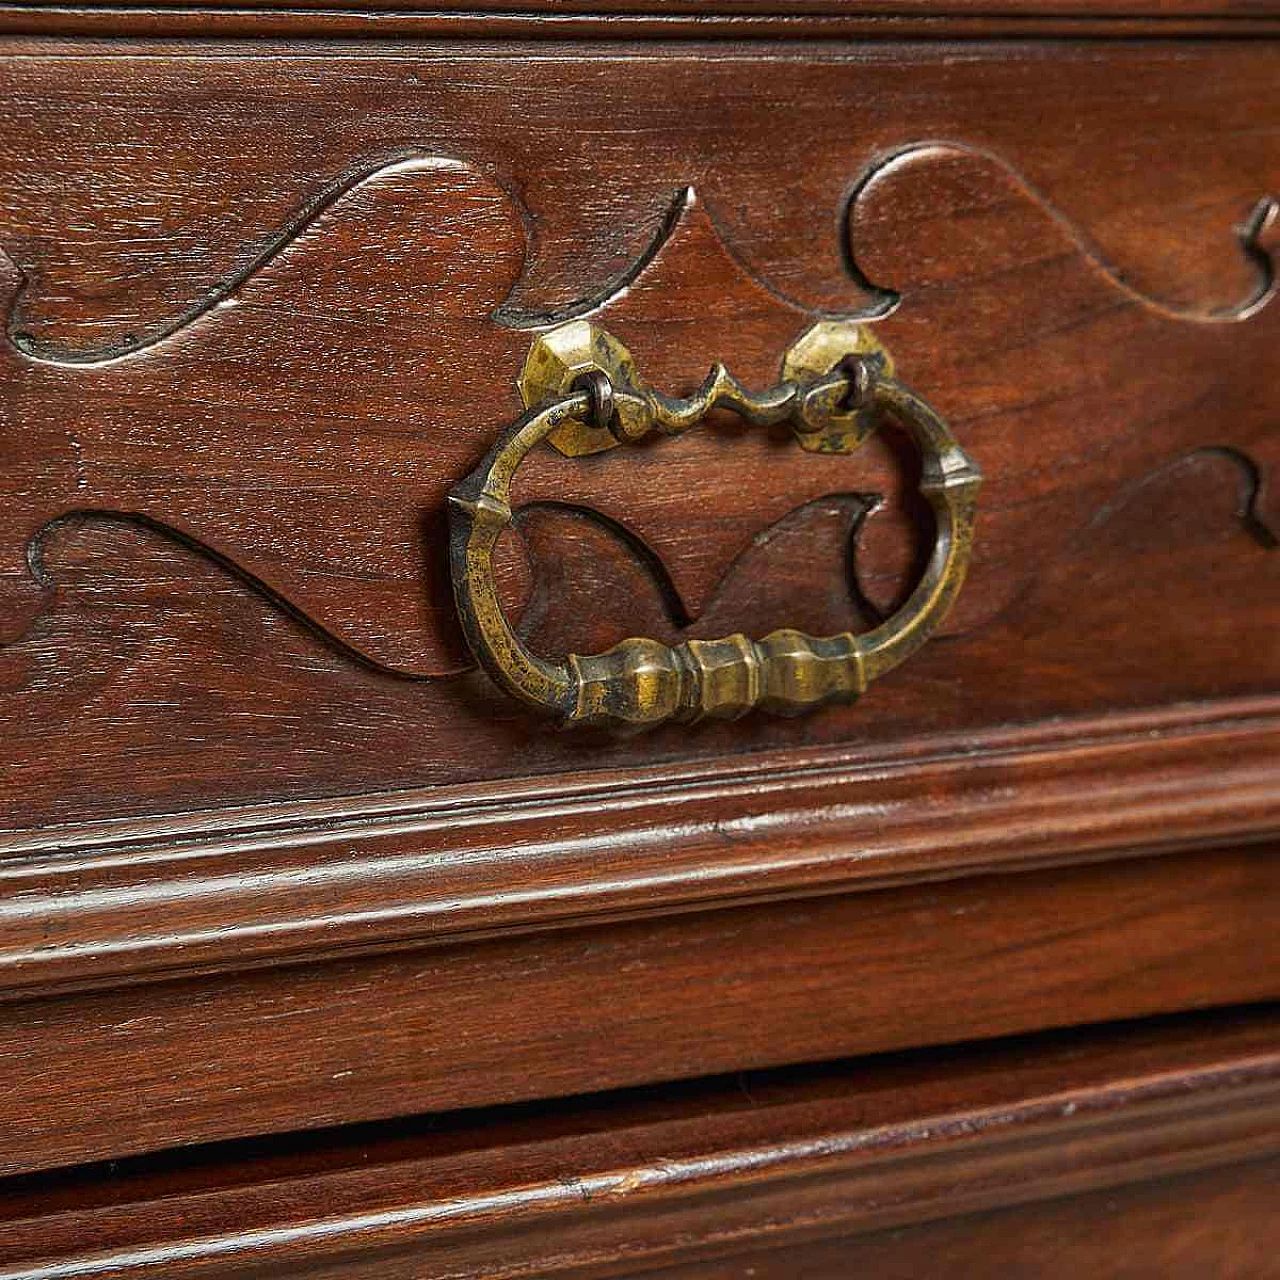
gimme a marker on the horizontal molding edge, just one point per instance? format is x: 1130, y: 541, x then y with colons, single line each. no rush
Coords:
x: 347, y: 23
x: 669, y: 1188
x: 91, y: 905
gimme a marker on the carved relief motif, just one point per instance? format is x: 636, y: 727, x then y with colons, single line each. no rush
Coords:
x: 222, y: 721
x: 302, y: 423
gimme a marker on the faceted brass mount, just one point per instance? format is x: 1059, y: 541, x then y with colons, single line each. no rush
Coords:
x: 584, y: 395
x: 811, y: 394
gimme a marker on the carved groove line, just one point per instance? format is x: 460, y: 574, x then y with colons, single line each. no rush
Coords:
x: 137, y: 520
x: 855, y: 506
x: 1251, y: 522
x: 635, y: 546
x: 1264, y: 215
x: 297, y: 226
x: 1263, y: 219
x: 681, y: 203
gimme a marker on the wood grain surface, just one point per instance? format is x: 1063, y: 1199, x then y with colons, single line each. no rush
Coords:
x: 274, y: 857
x: 82, y: 906
x: 1141, y: 1152
x: 92, y: 1075
x: 1216, y: 1223
x: 657, y: 21
x: 241, y: 376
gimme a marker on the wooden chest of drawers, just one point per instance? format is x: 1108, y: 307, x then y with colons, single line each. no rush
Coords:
x: 958, y: 586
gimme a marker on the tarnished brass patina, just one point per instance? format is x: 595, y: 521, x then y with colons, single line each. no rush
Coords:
x: 812, y: 395
x: 584, y: 395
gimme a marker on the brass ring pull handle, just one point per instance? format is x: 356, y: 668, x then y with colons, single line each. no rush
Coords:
x: 585, y: 396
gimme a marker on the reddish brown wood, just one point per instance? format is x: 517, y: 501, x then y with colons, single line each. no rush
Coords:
x: 275, y: 135
x: 618, y: 1004
x: 770, y: 8
x: 621, y: 20
x: 139, y: 670
x: 86, y: 905
x: 1221, y: 1222
x: 894, y: 1156
x: 275, y: 859
x: 1073, y: 294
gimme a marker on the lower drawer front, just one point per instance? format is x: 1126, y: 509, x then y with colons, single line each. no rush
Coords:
x: 1145, y: 1152
x: 1218, y: 1223
x: 100, y: 1074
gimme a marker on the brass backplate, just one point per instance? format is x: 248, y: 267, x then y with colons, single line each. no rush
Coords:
x: 556, y: 360
x: 561, y: 356
x: 820, y: 350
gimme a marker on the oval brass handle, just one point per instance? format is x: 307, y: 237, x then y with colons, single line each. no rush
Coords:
x: 585, y: 396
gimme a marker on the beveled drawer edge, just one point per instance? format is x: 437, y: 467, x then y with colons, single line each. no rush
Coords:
x: 880, y: 1146
x: 89, y: 905
x: 334, y: 22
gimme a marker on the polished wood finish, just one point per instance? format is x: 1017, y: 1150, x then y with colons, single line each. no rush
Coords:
x: 1220, y: 1222
x: 275, y: 857
x: 746, y: 20
x: 895, y: 1156
x: 617, y: 1004
x: 1088, y: 305
x: 91, y: 904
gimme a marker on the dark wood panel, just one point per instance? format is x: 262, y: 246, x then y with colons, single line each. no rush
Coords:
x: 885, y: 1159
x: 112, y: 704
x: 289, y: 368
x: 1219, y: 1223
x: 87, y: 905
x: 802, y: 8
x: 264, y: 307
x: 88, y: 1076
x: 745, y: 20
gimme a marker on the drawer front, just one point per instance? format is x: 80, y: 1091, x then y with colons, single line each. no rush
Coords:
x: 277, y: 854
x: 266, y: 310
x: 1136, y: 1152
x: 96, y: 1074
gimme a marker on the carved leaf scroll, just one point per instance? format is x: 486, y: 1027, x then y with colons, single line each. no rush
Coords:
x: 140, y: 663
x: 1063, y: 379
x: 303, y: 424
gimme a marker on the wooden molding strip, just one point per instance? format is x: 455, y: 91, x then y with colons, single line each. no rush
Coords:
x: 83, y: 906
x: 666, y: 1176
x: 148, y: 1066
x: 945, y: 21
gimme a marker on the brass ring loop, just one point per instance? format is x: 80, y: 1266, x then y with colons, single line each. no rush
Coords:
x: 641, y: 682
